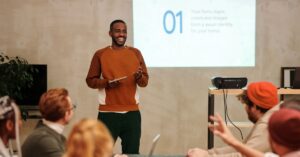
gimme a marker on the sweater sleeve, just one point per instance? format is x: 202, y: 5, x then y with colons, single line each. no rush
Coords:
x: 143, y: 81
x: 93, y: 79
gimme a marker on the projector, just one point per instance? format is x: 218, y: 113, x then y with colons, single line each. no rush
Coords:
x: 229, y: 82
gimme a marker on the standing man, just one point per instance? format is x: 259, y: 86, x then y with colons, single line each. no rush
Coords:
x: 260, y: 101
x: 47, y: 140
x: 116, y: 71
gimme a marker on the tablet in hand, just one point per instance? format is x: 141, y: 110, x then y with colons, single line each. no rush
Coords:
x: 117, y: 79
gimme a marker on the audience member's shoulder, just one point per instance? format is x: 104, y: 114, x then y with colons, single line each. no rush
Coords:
x: 268, y: 114
x: 41, y: 136
x: 275, y: 108
x: 38, y: 133
x: 49, y: 140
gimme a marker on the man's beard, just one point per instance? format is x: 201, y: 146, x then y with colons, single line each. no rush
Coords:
x: 252, y: 118
x: 118, y: 44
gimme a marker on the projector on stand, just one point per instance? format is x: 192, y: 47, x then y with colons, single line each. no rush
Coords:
x: 229, y: 82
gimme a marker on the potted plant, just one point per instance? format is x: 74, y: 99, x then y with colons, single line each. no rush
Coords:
x: 15, y: 74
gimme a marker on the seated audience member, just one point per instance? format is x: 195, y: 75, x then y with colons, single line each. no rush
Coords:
x: 292, y: 104
x: 47, y: 139
x: 284, y: 130
x: 89, y: 138
x: 260, y: 101
x: 10, y: 123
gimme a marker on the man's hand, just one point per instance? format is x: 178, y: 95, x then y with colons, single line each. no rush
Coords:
x: 220, y: 129
x: 113, y: 84
x: 138, y: 75
x: 196, y: 152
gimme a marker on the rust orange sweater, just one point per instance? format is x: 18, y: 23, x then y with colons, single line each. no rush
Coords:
x: 110, y: 63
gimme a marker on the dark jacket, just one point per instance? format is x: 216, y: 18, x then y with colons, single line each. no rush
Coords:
x: 43, y: 142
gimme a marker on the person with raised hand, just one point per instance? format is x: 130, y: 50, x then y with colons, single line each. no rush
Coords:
x: 260, y: 100
x: 283, y: 128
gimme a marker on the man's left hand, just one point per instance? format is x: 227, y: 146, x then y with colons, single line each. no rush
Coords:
x: 138, y: 75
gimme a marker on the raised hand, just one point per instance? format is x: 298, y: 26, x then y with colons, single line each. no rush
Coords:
x: 220, y: 129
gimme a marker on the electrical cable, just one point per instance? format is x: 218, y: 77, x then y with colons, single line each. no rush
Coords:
x: 225, y: 94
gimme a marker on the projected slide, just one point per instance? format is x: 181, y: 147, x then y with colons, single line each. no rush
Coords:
x: 195, y: 33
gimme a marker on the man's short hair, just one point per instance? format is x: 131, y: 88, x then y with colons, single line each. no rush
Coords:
x: 54, y: 104
x: 114, y: 22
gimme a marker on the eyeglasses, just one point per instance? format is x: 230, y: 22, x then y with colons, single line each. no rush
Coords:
x: 74, y: 106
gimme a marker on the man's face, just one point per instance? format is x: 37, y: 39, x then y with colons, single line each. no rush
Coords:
x: 251, y: 113
x: 118, y: 34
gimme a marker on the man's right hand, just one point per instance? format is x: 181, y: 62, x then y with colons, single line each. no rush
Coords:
x: 113, y: 84
x: 220, y: 129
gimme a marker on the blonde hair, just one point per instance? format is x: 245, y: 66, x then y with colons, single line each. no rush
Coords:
x: 89, y: 138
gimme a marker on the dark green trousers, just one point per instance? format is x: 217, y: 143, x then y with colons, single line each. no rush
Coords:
x: 127, y: 126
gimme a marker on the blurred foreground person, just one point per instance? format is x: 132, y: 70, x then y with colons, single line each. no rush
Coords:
x: 10, y: 122
x: 89, y: 138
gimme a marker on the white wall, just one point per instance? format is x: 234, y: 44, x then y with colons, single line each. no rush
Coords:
x: 64, y: 34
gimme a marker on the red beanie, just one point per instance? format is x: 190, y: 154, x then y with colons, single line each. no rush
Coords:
x: 263, y: 94
x: 284, y: 128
